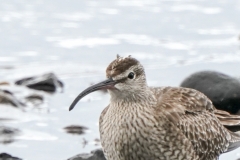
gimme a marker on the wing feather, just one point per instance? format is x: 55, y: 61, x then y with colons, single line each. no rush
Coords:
x: 193, y: 113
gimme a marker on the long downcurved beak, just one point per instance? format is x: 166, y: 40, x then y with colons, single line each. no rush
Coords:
x: 107, y: 84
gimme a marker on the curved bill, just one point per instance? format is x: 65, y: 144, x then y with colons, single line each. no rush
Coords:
x: 107, y: 84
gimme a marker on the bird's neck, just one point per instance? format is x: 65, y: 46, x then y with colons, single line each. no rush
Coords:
x: 140, y: 98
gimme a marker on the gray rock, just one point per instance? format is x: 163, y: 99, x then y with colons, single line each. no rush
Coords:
x: 47, y: 82
x: 7, y: 97
x: 8, y: 134
x: 75, y: 129
x: 94, y: 155
x: 223, y: 90
x: 5, y: 156
x: 35, y: 99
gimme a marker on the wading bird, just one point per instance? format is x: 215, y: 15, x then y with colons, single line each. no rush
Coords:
x: 157, y: 123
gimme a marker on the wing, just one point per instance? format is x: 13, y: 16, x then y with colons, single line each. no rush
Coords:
x: 231, y: 122
x: 193, y: 113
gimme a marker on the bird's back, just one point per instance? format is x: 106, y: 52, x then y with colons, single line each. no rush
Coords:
x: 193, y: 113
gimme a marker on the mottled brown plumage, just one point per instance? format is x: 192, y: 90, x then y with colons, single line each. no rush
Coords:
x: 161, y: 123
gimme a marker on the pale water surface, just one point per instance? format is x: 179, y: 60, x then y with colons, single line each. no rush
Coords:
x: 78, y: 39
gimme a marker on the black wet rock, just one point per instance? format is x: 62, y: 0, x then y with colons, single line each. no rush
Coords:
x: 75, y: 129
x: 5, y: 156
x: 47, y: 82
x: 221, y: 89
x: 7, y: 97
x: 235, y: 128
x: 94, y: 155
x: 7, y: 134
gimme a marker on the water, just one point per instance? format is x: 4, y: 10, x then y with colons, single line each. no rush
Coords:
x: 78, y: 39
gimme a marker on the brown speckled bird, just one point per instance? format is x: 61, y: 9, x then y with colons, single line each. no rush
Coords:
x: 157, y: 123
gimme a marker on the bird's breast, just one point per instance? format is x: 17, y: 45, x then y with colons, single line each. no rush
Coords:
x: 131, y: 135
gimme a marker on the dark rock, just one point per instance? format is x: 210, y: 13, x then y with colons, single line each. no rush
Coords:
x: 223, y: 90
x: 47, y: 82
x: 235, y: 128
x: 5, y: 156
x: 7, y: 97
x: 94, y: 155
x: 7, y: 134
x: 75, y: 129
x: 35, y: 99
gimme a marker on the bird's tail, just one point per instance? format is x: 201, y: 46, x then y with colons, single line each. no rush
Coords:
x: 232, y: 123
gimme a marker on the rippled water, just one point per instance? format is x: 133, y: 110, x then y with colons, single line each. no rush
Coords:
x: 78, y: 39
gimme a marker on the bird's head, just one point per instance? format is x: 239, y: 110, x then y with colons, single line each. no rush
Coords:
x: 125, y: 78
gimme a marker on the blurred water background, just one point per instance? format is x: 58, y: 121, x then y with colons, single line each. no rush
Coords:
x: 77, y: 39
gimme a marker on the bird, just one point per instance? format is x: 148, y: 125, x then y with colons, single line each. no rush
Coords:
x: 156, y: 123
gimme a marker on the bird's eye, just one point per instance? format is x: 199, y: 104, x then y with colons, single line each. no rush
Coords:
x: 131, y: 75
